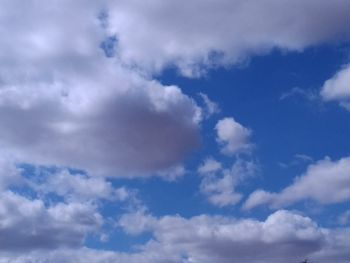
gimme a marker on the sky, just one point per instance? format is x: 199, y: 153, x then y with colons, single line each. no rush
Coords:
x: 195, y: 131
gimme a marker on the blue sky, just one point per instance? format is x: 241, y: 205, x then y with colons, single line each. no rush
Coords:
x: 175, y: 132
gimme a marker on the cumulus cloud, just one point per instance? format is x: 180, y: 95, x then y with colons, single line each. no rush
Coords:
x: 76, y: 186
x: 76, y: 91
x: 283, y: 237
x: 63, y: 102
x: 48, y: 210
x: 196, y: 35
x: 219, y: 184
x: 337, y: 88
x: 28, y: 224
x: 57, y: 85
x: 233, y: 137
x: 326, y: 182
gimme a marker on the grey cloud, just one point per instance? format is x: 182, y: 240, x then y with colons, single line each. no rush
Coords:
x: 64, y: 103
x: 127, y: 135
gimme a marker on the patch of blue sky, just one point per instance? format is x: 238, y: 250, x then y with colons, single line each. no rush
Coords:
x: 109, y: 46
x: 281, y: 129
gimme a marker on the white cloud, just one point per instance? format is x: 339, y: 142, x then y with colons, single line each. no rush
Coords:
x: 219, y: 184
x: 210, y: 165
x: 283, y: 237
x: 220, y: 190
x: 325, y: 181
x: 137, y: 222
x: 233, y: 137
x: 9, y: 173
x: 77, y: 187
x: 28, y: 224
x: 337, y: 88
x: 115, y: 121
x: 196, y: 35
x: 63, y: 102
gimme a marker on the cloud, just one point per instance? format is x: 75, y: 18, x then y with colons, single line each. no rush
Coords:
x: 63, y: 102
x: 210, y: 106
x: 77, y: 91
x: 197, y: 35
x: 220, y: 190
x: 219, y: 184
x: 326, y: 182
x: 233, y: 137
x: 337, y: 88
x: 310, y: 95
x: 283, y: 236
x: 76, y: 186
x: 298, y: 159
x: 28, y: 224
x: 104, y: 114
x: 137, y: 222
x: 210, y: 165
x: 344, y: 218
x: 10, y: 174
x: 49, y: 209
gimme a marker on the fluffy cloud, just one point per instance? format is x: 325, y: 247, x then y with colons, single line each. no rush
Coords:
x: 283, y: 237
x: 9, y: 173
x: 76, y: 186
x: 337, y: 88
x: 28, y: 224
x: 63, y: 102
x: 325, y: 181
x: 219, y: 184
x: 210, y: 165
x: 233, y: 137
x: 194, y: 35
x: 100, y: 114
